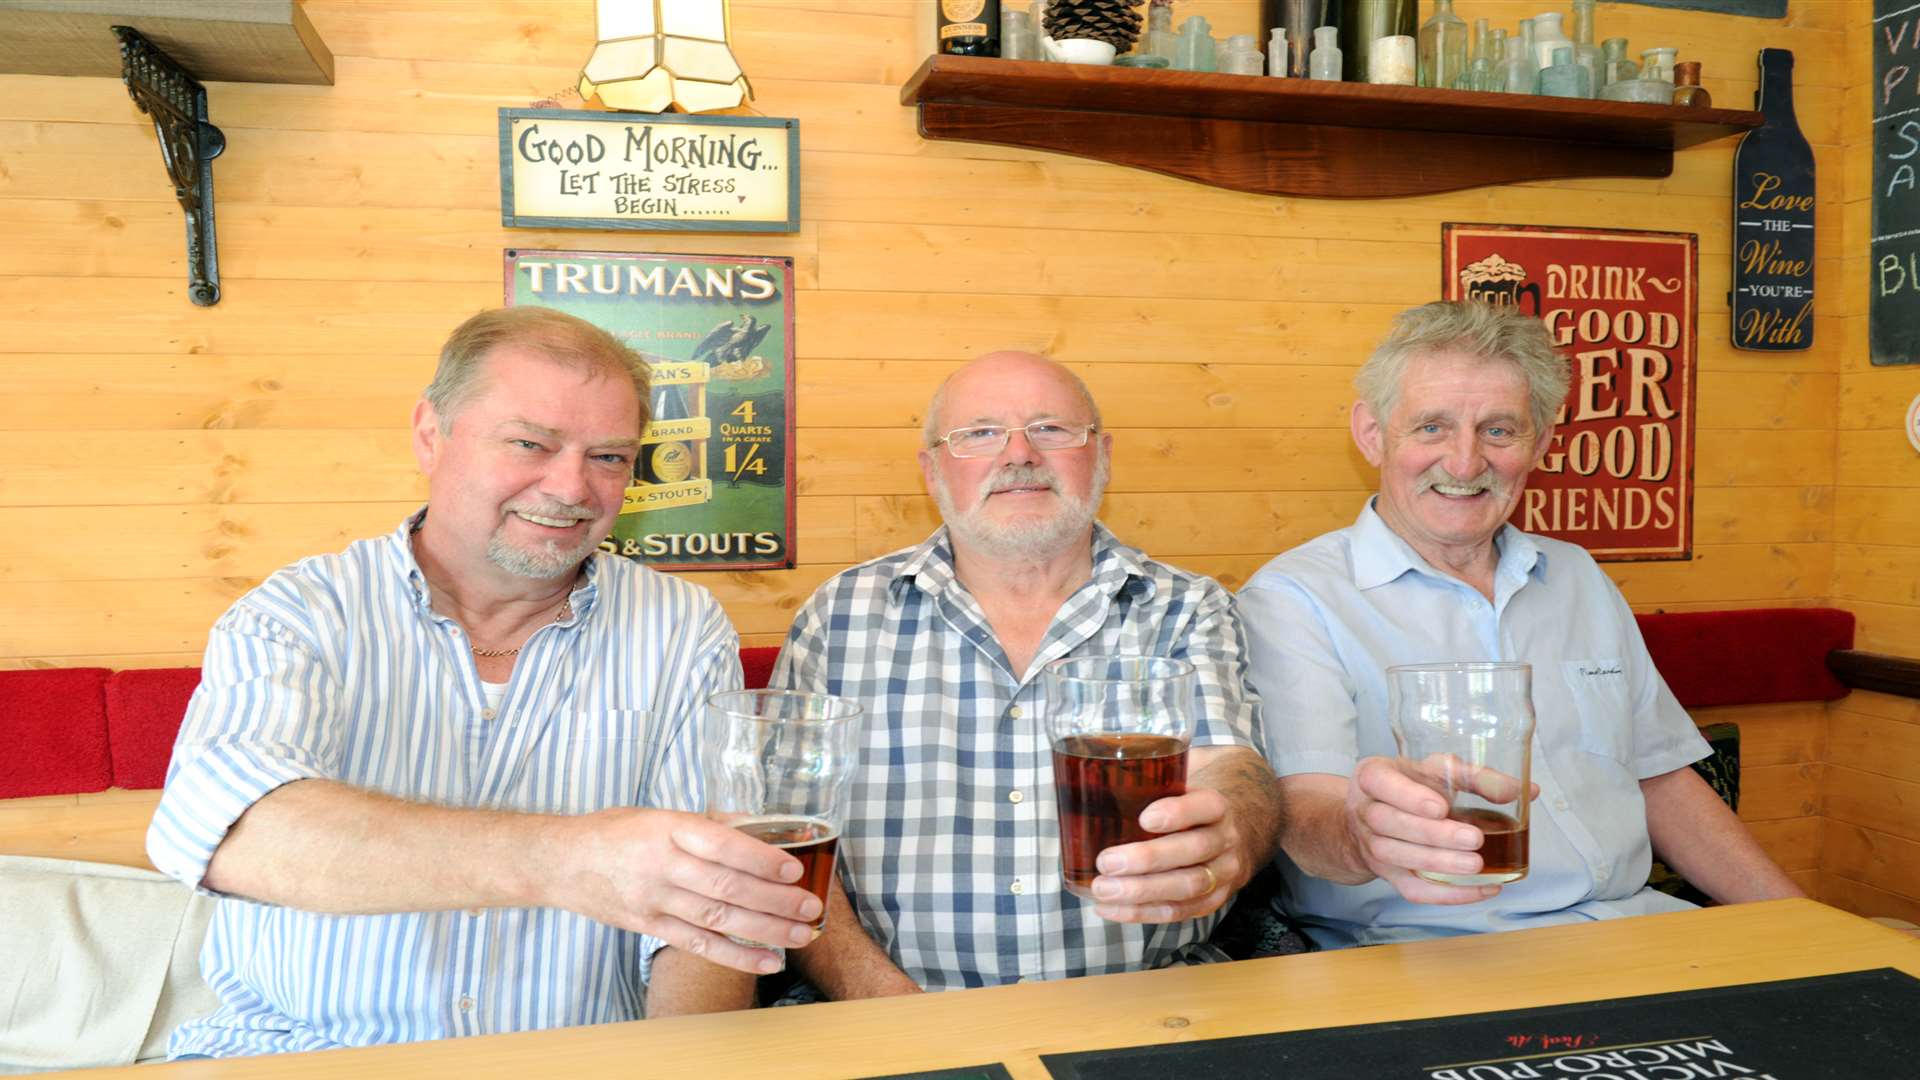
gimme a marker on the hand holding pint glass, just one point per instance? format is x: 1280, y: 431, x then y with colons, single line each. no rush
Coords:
x: 1120, y: 727
x: 779, y: 766
x: 1466, y: 731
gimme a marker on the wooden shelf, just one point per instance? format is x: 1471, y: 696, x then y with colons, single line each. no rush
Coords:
x: 267, y: 41
x: 1299, y: 136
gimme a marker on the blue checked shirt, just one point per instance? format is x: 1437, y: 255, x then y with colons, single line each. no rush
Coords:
x: 338, y: 668
x: 951, y: 855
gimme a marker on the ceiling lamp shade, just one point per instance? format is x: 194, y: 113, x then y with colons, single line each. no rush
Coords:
x: 653, y: 55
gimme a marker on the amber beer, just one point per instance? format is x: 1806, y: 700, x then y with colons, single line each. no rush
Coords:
x: 810, y: 840
x: 1503, y: 854
x: 1103, y: 783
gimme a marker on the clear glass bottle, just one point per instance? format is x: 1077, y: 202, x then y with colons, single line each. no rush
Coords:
x: 1160, y: 36
x: 1018, y: 40
x: 1585, y: 52
x: 1614, y: 64
x: 1325, y: 62
x: 1193, y: 50
x: 1548, y: 34
x: 1239, y: 57
x: 1657, y: 63
x: 1363, y: 22
x: 1443, y: 46
x: 1520, y: 71
x: 1488, y: 77
x: 1564, y: 78
x: 1277, y: 52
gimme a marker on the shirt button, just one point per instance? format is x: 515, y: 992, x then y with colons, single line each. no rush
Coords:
x: 1016, y: 796
x: 466, y: 1003
x: 1016, y: 888
x: 1559, y: 804
x: 486, y: 714
x: 1016, y: 712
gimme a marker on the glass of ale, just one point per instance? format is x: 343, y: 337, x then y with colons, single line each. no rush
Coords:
x: 1120, y: 726
x: 1466, y: 730
x: 779, y: 767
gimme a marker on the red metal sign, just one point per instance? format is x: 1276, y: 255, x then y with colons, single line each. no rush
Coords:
x: 1618, y: 477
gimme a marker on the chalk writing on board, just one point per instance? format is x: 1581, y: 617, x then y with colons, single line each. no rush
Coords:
x: 1893, y: 297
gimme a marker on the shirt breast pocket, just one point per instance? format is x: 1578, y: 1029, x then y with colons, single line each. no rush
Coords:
x: 599, y: 762
x: 1599, y: 691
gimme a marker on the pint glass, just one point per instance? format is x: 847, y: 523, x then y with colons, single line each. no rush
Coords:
x: 1466, y: 730
x: 779, y: 767
x: 1120, y: 726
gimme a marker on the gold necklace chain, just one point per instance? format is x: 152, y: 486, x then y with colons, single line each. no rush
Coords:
x: 566, y: 609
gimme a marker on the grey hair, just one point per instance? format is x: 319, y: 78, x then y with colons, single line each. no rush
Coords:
x: 564, y: 338
x: 930, y: 427
x: 1494, y: 334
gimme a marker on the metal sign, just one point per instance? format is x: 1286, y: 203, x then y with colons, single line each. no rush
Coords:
x: 713, y: 486
x: 1618, y: 476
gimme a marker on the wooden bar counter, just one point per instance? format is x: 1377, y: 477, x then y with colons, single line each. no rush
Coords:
x: 1014, y: 1025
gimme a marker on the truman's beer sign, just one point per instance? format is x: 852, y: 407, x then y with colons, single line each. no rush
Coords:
x: 1618, y: 476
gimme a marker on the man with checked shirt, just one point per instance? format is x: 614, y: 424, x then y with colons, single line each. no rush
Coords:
x: 950, y: 861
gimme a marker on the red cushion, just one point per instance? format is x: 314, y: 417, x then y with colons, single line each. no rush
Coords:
x: 144, y: 710
x: 53, y: 725
x: 757, y: 665
x: 1748, y: 657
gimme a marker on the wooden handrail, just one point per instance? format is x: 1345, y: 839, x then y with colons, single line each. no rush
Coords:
x: 1876, y: 671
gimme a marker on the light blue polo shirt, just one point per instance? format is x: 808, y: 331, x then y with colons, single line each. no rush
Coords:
x: 1324, y: 622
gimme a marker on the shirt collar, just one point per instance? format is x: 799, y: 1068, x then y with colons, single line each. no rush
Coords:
x: 929, y: 566
x: 407, y: 567
x: 1381, y: 555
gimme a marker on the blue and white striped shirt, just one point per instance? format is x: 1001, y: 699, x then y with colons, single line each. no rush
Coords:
x: 338, y: 668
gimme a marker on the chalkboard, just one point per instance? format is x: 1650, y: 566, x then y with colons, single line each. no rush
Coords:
x: 1860, y: 1024
x: 1893, y: 288
x: 1759, y: 9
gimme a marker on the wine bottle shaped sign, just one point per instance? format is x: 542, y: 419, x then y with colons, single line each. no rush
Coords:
x: 1772, y: 299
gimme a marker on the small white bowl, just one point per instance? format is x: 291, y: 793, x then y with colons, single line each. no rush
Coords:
x: 1081, y: 51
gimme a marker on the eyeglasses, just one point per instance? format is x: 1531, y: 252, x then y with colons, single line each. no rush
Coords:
x: 987, y: 440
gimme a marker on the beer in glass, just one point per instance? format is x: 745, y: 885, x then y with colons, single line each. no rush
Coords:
x: 1120, y: 727
x: 779, y: 767
x: 1466, y: 730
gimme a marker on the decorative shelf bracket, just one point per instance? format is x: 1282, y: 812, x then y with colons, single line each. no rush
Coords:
x: 188, y: 144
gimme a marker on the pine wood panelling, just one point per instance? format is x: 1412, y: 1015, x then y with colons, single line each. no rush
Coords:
x: 1874, y: 744
x: 103, y: 826
x: 1792, y: 843
x: 1862, y: 899
x: 1878, y: 802
x: 1793, y: 733
x: 1890, y: 863
x: 1772, y: 792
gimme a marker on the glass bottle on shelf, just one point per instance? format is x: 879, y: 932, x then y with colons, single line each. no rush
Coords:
x: 969, y: 27
x: 1363, y: 22
x: 1548, y: 34
x: 1614, y: 64
x: 1160, y: 35
x: 1477, y: 45
x: 1585, y: 52
x: 1277, y: 52
x: 1564, y: 78
x: 1193, y: 50
x: 1519, y: 71
x: 1486, y: 70
x: 1018, y: 39
x: 1686, y: 86
x: 1443, y: 46
x: 1239, y: 57
x: 1657, y: 63
x: 1325, y: 62
x: 1394, y: 61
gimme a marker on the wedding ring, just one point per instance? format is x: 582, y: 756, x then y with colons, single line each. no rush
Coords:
x: 1212, y: 882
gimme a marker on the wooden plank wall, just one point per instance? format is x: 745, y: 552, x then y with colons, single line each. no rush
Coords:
x: 1870, y: 855
x: 156, y: 459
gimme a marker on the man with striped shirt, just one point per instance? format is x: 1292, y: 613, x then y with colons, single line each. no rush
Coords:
x: 951, y: 857
x: 444, y: 781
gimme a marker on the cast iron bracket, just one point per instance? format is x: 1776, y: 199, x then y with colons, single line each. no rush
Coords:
x: 188, y: 144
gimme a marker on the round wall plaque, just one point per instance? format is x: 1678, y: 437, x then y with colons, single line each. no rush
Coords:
x: 1913, y: 423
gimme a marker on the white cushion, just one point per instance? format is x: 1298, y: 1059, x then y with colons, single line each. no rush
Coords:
x: 98, y: 963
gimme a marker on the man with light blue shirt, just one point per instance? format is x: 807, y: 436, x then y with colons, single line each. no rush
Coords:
x: 1457, y: 407
x: 445, y: 781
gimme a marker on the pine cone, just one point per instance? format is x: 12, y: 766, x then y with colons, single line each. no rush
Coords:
x: 1112, y: 21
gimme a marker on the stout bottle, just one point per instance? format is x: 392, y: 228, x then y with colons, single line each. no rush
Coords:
x: 970, y: 27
